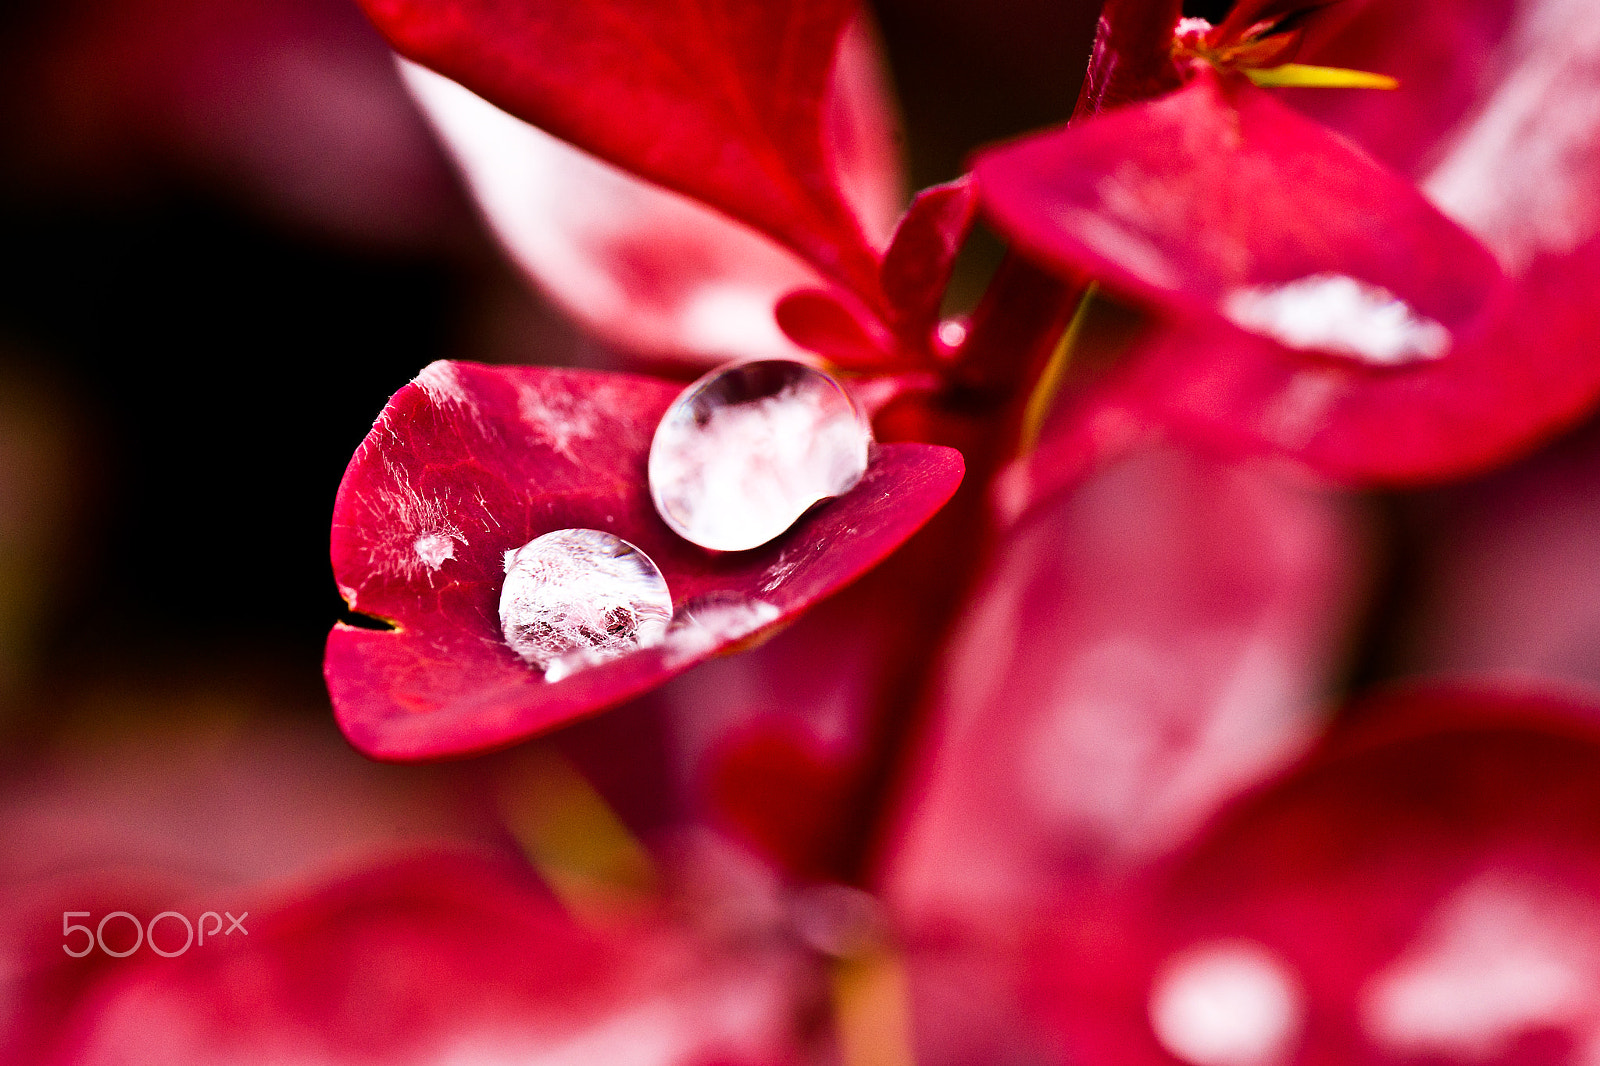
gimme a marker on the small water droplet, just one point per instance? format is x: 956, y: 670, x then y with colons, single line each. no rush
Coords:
x: 1337, y: 313
x: 748, y: 449
x: 578, y: 597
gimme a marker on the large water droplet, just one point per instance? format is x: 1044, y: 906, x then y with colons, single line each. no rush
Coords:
x: 747, y: 449
x: 1337, y: 313
x: 577, y: 597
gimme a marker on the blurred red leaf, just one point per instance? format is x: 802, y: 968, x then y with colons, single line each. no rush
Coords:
x: 724, y: 102
x: 644, y: 267
x: 1139, y: 651
x: 470, y: 461
x: 1424, y: 887
x: 429, y: 959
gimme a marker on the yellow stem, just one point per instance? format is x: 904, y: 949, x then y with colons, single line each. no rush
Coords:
x: 1055, y: 372
x: 1301, y: 76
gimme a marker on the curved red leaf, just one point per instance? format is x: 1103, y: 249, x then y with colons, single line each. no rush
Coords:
x: 837, y: 328
x: 922, y: 255
x: 442, y: 958
x: 1189, y: 200
x: 470, y: 461
x: 724, y: 102
x: 1131, y: 59
x: 1525, y: 373
x: 1426, y: 888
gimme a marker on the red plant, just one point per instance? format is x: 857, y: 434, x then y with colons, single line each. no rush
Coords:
x: 1053, y: 781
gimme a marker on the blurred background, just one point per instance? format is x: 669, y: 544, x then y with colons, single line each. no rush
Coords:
x: 229, y: 237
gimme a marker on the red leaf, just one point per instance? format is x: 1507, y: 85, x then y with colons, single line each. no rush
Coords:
x: 777, y: 792
x: 431, y: 959
x: 1131, y: 59
x: 1503, y: 571
x: 1392, y: 900
x: 922, y: 255
x: 724, y: 102
x: 837, y: 328
x: 1138, y: 652
x: 1526, y: 372
x: 643, y: 267
x: 1218, y: 188
x: 471, y: 461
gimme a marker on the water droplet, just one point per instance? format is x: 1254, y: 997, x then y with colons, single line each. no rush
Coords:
x: 577, y: 597
x: 1226, y: 1003
x: 1337, y: 313
x: 747, y: 449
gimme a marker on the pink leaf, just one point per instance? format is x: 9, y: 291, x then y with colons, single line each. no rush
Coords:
x: 469, y: 462
x: 724, y: 102
x: 1138, y: 652
x: 1524, y: 373
x: 1426, y: 887
x: 1197, y: 199
x: 648, y: 269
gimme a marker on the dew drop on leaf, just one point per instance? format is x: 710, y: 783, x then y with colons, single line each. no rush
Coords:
x: 1337, y: 313
x: 749, y: 448
x: 578, y: 597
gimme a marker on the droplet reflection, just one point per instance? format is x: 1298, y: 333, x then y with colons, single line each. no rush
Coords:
x: 1336, y: 313
x: 577, y: 597
x: 747, y: 449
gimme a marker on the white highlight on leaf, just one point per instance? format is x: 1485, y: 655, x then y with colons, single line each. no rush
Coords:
x: 636, y: 263
x: 716, y: 620
x: 434, y: 548
x: 1337, y: 313
x: 442, y: 382
x: 1227, y: 1003
x: 419, y: 531
x: 1520, y: 170
x: 952, y: 333
x: 1502, y: 956
x: 558, y: 420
